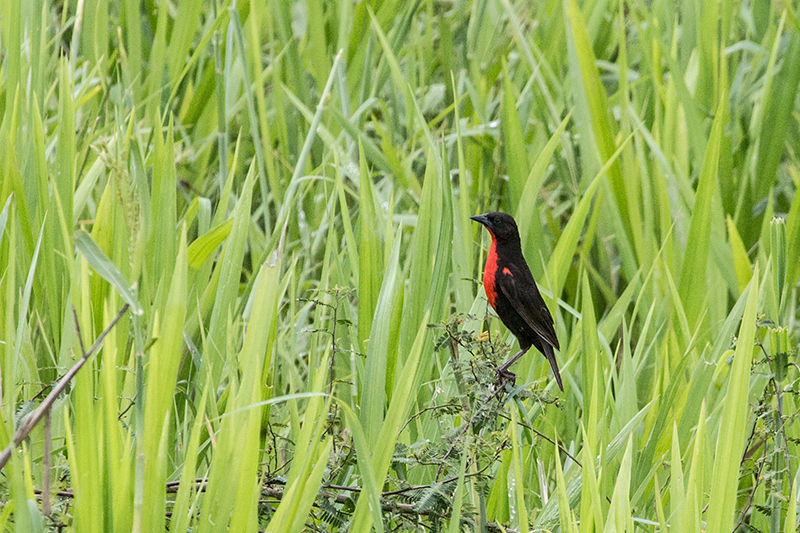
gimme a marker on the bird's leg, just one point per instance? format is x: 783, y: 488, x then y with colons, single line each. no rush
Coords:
x: 504, y: 375
x: 504, y: 367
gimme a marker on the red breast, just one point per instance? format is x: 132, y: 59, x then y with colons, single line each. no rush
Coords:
x: 490, y: 272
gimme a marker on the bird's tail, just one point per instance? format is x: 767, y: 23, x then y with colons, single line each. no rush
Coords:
x: 551, y: 358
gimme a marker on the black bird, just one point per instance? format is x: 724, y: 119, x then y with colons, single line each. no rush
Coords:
x: 513, y: 294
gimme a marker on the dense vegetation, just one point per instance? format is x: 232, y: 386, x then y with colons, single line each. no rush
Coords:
x: 273, y: 199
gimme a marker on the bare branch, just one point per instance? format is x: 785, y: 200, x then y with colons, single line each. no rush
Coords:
x: 33, y: 419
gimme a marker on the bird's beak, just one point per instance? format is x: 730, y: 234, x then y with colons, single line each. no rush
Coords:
x: 481, y: 218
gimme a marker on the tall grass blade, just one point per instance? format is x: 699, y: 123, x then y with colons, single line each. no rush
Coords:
x: 695, y: 261
x: 732, y: 425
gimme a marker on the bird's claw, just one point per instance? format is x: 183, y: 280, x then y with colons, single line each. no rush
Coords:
x: 505, y: 377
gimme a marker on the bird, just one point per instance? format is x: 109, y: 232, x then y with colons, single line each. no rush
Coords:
x: 513, y: 294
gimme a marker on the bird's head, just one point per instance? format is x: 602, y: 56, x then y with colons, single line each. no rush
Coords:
x: 501, y: 225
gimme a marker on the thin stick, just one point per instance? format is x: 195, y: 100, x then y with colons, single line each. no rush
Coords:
x: 432, y: 408
x: 46, y: 459
x: 461, y: 432
x: 779, y: 401
x: 752, y: 495
x: 545, y: 437
x: 32, y: 420
x: 78, y: 331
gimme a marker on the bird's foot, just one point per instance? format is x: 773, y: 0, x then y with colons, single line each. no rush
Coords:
x: 505, y: 377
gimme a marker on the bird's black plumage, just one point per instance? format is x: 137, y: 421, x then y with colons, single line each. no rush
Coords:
x: 513, y: 293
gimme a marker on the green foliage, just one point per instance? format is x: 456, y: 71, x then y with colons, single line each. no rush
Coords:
x: 280, y: 191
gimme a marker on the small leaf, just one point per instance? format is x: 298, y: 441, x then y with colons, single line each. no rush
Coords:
x: 202, y: 247
x: 107, y: 269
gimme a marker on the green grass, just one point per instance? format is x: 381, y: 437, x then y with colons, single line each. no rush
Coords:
x: 281, y: 192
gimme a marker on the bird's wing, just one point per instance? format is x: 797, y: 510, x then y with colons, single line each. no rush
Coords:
x: 519, y: 287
